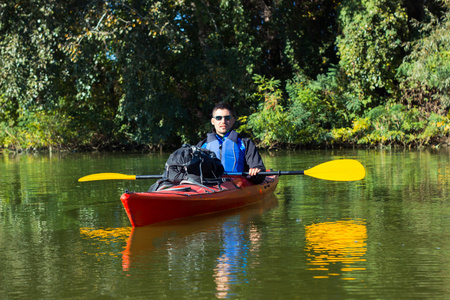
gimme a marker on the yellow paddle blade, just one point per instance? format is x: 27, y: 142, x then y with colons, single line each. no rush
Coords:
x: 338, y: 170
x: 106, y: 176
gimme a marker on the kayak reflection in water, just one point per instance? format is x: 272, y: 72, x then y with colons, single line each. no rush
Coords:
x: 237, y: 153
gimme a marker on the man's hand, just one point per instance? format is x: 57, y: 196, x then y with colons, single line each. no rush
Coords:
x: 253, y: 171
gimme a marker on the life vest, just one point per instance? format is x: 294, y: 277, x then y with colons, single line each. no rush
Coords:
x: 228, y: 151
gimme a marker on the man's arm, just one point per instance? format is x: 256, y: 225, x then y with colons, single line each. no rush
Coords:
x: 252, y: 156
x: 254, y: 161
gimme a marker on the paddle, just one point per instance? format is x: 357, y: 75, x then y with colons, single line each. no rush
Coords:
x: 336, y: 170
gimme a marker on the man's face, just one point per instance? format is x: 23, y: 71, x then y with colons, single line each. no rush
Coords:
x: 225, y: 123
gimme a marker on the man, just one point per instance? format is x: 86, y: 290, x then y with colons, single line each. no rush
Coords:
x: 238, y: 154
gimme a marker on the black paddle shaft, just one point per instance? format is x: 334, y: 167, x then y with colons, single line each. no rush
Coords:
x: 272, y: 173
x: 148, y: 176
x: 279, y: 173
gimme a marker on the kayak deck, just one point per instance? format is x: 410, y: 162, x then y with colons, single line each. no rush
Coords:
x: 186, y: 200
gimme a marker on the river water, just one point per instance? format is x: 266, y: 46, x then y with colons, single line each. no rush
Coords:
x: 384, y: 237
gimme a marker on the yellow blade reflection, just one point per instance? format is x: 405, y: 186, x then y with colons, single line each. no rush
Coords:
x: 329, y: 243
x: 108, y: 236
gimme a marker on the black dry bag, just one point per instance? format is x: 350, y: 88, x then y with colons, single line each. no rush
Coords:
x: 193, y: 164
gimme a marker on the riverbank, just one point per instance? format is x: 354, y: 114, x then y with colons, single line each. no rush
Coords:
x: 444, y: 143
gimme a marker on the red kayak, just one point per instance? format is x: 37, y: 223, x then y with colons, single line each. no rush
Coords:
x: 186, y: 200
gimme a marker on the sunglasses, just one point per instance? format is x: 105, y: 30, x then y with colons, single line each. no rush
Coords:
x: 218, y: 118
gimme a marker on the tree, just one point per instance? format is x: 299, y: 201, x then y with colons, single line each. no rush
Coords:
x: 425, y: 72
x: 370, y: 49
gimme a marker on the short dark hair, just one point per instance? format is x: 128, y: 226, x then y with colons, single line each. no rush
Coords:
x: 223, y: 105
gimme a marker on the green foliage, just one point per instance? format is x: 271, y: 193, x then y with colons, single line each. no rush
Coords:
x: 297, y: 36
x: 370, y: 48
x: 425, y: 72
x: 28, y: 51
x: 315, y: 109
x: 32, y: 131
x: 394, y: 124
x: 269, y: 124
x: 108, y: 73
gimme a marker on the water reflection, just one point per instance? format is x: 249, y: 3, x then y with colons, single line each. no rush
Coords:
x: 233, y: 259
x: 175, y: 234
x: 171, y: 241
x: 403, y: 202
x: 336, y: 247
x: 183, y: 246
x: 109, y: 236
